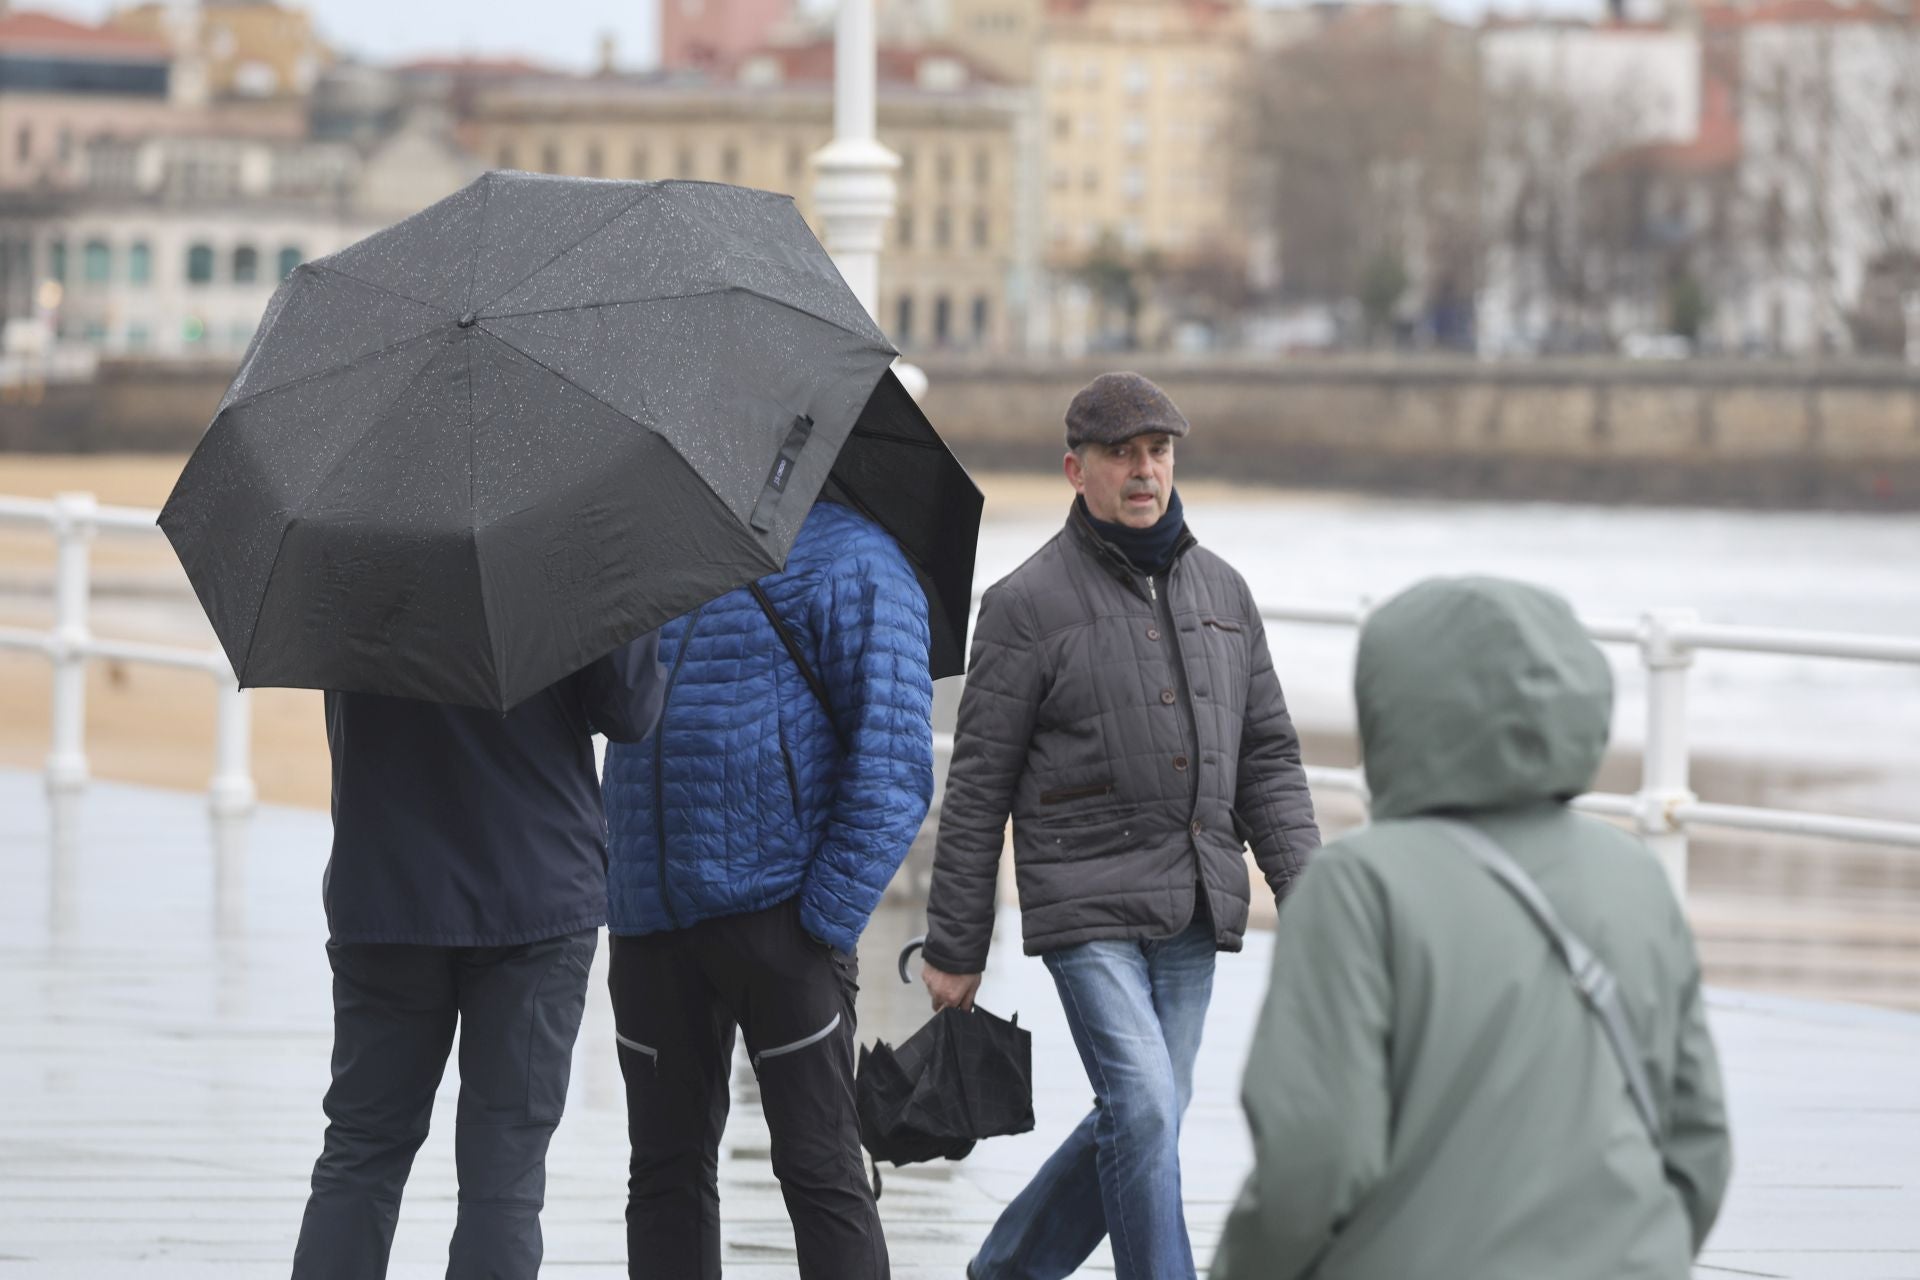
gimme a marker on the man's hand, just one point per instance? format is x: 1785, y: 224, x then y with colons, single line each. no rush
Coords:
x: 950, y: 990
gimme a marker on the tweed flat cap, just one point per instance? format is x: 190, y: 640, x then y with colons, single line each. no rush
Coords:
x: 1119, y: 406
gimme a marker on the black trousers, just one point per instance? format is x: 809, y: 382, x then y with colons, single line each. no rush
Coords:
x: 394, y: 1013
x: 677, y: 998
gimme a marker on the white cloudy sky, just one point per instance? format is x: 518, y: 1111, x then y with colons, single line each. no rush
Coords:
x: 563, y: 32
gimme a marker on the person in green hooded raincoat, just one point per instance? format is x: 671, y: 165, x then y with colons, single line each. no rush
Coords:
x: 1429, y: 1097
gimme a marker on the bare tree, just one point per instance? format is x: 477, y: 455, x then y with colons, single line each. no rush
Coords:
x: 1554, y: 255
x: 1361, y: 148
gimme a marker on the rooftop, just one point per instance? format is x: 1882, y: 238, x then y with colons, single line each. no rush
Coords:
x: 28, y: 31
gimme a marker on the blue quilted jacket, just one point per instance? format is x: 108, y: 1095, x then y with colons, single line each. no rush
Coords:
x: 742, y: 797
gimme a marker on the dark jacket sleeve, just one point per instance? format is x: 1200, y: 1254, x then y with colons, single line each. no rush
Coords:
x: 997, y: 711
x: 1271, y: 797
x: 624, y: 691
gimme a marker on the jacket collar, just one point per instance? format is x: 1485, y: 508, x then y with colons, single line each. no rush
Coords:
x: 1112, y: 559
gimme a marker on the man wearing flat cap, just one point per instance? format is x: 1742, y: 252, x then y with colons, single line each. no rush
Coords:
x: 1122, y: 708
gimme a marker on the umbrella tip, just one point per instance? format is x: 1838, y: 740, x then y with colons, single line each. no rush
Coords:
x: 468, y: 320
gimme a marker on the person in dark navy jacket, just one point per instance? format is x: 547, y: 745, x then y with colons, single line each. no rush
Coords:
x: 467, y: 888
x: 751, y: 838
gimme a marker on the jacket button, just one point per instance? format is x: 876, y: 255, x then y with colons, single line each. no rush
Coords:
x: 1153, y: 633
x: 1179, y: 762
x: 1197, y: 827
x: 1166, y: 696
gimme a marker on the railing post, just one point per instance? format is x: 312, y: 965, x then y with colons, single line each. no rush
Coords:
x: 1664, y: 779
x: 73, y: 517
x: 231, y: 793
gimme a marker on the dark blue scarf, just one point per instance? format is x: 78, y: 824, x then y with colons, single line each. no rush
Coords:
x: 1150, y: 550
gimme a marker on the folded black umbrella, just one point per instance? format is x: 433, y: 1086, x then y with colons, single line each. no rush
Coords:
x: 477, y: 450
x: 962, y: 1077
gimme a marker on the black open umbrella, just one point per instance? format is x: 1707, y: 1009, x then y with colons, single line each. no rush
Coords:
x: 896, y: 469
x: 479, y: 449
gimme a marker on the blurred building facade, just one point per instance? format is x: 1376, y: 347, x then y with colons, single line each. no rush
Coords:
x: 956, y: 260
x: 251, y: 49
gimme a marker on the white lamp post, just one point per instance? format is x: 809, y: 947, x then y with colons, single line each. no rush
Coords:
x: 854, y: 191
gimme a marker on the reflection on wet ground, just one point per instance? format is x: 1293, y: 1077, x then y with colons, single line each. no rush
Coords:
x: 164, y: 1035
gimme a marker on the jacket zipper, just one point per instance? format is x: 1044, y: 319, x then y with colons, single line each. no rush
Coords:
x: 659, y: 771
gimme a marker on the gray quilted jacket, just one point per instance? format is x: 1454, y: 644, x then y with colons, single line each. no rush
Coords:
x: 1135, y: 730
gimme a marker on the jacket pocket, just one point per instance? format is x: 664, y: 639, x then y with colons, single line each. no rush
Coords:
x: 786, y: 761
x: 1061, y: 795
x: 1224, y: 624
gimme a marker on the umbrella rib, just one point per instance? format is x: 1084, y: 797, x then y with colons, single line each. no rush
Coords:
x: 253, y: 633
x: 479, y: 244
x: 376, y: 285
x: 648, y: 192
x: 330, y: 370
x: 570, y: 382
x: 696, y: 293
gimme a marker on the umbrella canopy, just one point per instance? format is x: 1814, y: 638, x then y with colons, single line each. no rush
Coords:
x: 475, y: 451
x: 962, y: 1077
x: 895, y: 468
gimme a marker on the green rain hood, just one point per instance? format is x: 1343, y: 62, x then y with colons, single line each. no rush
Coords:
x: 1429, y: 1098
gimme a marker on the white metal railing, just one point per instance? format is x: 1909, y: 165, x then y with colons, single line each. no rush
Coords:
x: 1664, y: 808
x: 74, y: 519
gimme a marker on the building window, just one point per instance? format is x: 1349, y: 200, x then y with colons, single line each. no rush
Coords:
x: 797, y: 162
x: 23, y: 143
x: 96, y: 262
x: 942, y: 229
x: 507, y: 159
x: 982, y: 166
x: 906, y: 164
x: 289, y: 260
x: 550, y: 158
x: 903, y: 230
x: 1135, y: 133
x: 1062, y: 179
x: 57, y: 260
x: 980, y: 320
x: 903, y: 319
x: 1133, y: 184
x: 246, y: 264
x: 683, y: 163
x: 240, y: 334
x: 140, y: 263
x: 942, y: 320
x: 1090, y: 180
x: 981, y: 231
x: 138, y: 337
x: 730, y: 164
x: 596, y: 161
x: 637, y: 163
x: 200, y: 264
x: 1063, y: 127
x: 943, y: 168
x: 1139, y: 79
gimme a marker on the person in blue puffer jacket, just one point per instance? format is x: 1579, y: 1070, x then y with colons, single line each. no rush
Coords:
x: 750, y: 839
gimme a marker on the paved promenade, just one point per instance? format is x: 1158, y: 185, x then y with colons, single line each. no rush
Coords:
x: 164, y: 1033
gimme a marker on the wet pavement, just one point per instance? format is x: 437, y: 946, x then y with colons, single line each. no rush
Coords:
x: 164, y: 1035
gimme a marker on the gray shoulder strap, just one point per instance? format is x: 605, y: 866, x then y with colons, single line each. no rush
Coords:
x: 1591, y: 977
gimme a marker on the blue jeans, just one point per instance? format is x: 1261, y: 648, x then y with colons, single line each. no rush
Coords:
x: 1136, y: 1010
